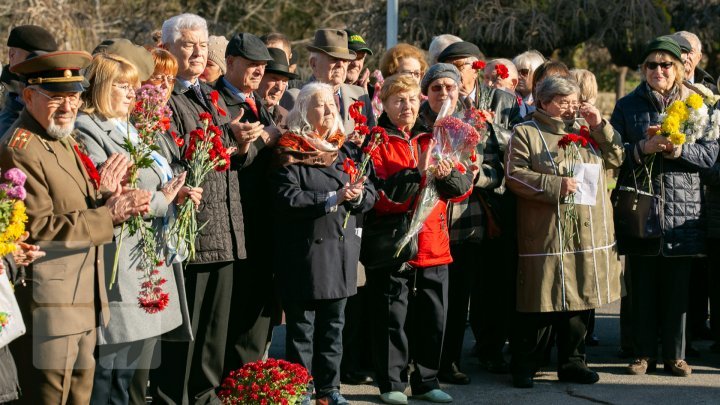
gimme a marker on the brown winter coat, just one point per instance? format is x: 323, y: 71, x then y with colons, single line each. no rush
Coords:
x: 588, y: 275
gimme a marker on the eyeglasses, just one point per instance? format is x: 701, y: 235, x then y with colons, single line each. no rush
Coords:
x: 524, y: 72
x: 157, y: 80
x: 415, y: 73
x: 448, y: 87
x: 57, y: 101
x: 461, y: 65
x: 125, y: 87
x: 654, y: 65
x: 567, y: 104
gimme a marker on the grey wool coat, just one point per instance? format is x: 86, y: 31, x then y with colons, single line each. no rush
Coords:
x: 129, y: 322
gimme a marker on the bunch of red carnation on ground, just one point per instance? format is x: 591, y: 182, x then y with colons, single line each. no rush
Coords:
x: 205, y: 152
x: 378, y: 136
x: 276, y: 382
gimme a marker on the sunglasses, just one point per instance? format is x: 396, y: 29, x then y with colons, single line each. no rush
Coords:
x: 524, y: 72
x: 654, y: 65
x: 438, y: 87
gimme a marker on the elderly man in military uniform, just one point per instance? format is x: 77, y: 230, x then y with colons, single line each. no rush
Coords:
x: 71, y: 210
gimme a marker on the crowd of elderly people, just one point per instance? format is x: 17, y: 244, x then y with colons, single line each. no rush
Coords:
x: 518, y: 243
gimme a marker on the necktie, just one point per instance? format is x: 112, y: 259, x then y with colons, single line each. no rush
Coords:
x: 251, y: 103
x: 199, y: 94
x: 338, y: 103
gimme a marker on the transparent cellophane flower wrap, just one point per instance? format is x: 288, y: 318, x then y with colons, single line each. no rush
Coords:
x: 456, y: 141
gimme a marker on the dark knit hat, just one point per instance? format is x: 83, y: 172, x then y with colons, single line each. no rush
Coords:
x: 32, y: 38
x: 438, y: 71
x: 664, y: 43
x: 459, y: 50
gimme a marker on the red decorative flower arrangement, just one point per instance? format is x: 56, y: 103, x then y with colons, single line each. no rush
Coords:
x: 361, y: 129
x: 214, y: 97
x: 276, y: 382
x: 152, y: 298
x: 89, y: 167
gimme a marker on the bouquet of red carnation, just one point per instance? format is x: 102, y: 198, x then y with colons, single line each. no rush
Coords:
x: 361, y: 128
x: 205, y: 152
x: 455, y: 140
x: 378, y: 136
x: 571, y: 144
x: 265, y: 383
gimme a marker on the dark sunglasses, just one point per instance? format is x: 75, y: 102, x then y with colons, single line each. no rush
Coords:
x: 524, y: 72
x: 654, y: 65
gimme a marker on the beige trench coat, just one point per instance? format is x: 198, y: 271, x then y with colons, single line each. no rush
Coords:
x: 584, y: 273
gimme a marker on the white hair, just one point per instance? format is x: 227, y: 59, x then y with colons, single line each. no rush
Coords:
x: 297, y: 118
x: 438, y: 44
x: 693, y: 39
x: 529, y: 60
x: 171, y: 27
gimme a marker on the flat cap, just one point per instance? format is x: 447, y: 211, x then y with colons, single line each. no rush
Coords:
x: 357, y: 43
x: 665, y: 44
x: 55, y: 71
x: 279, y: 64
x: 685, y: 45
x: 439, y: 71
x: 32, y: 38
x: 248, y: 46
x: 135, y: 54
x: 459, y: 50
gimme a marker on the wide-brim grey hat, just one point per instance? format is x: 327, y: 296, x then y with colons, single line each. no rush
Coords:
x: 439, y: 71
x: 333, y: 43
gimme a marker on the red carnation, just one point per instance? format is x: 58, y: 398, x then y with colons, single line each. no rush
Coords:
x: 478, y: 65
x: 502, y: 71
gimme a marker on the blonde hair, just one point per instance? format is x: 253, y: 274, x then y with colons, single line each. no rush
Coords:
x: 391, y: 59
x: 677, y: 66
x: 587, y: 83
x: 103, y: 72
x: 398, y: 83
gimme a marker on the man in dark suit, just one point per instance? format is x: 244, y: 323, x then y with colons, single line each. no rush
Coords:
x: 253, y: 308
x: 191, y: 372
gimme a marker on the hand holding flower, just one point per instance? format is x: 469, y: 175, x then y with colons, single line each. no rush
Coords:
x: 443, y: 169
x: 193, y: 193
x: 568, y: 186
x: 171, y: 188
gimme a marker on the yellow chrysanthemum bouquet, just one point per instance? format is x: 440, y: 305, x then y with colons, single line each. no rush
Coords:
x: 688, y: 121
x: 12, y: 210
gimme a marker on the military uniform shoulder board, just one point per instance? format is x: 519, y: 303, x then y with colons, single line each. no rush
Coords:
x: 20, y: 138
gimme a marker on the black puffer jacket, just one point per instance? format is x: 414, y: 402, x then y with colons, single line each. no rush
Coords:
x: 222, y: 239
x: 676, y: 181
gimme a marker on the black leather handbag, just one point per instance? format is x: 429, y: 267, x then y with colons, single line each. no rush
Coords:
x: 381, y: 237
x: 636, y: 213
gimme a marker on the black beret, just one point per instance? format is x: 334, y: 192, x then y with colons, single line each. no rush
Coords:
x: 459, y: 50
x: 32, y: 38
x: 248, y: 46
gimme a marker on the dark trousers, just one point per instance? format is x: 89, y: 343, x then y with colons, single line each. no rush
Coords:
x: 191, y: 371
x: 314, y: 339
x: 531, y: 338
x: 114, y: 370
x: 492, y: 301
x: 714, y: 289
x: 356, y: 333
x: 626, y: 325
x: 698, y: 295
x: 251, y: 312
x: 410, y: 311
x: 139, y: 383
x: 461, y: 277
x: 659, y: 299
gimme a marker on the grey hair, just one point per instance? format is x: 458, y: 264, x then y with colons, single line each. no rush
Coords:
x: 692, y: 38
x: 553, y: 86
x: 438, y: 44
x: 297, y: 118
x: 512, y: 70
x: 529, y: 60
x: 171, y: 27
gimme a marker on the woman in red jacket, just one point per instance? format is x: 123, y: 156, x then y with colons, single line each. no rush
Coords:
x: 414, y: 292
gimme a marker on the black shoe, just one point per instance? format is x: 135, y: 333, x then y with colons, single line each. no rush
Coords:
x: 355, y: 378
x: 498, y: 366
x: 522, y: 381
x: 580, y: 375
x: 453, y: 375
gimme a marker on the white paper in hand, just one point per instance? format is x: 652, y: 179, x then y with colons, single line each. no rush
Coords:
x: 587, y: 176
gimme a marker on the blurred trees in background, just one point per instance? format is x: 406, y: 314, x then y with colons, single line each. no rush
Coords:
x: 605, y: 36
